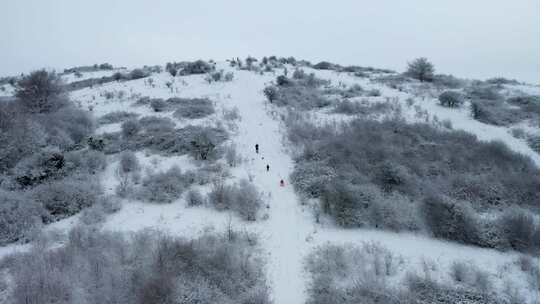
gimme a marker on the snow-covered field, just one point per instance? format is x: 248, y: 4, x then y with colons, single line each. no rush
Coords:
x: 289, y: 232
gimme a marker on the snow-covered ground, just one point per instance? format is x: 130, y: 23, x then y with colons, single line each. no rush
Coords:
x: 288, y: 233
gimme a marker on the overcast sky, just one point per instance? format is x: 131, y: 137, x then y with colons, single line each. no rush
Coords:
x: 468, y: 38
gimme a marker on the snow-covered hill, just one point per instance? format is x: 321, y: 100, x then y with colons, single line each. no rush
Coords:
x: 287, y: 229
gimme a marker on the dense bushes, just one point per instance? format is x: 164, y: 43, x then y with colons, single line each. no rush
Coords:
x: 40, y: 92
x: 41, y: 116
x: 147, y: 267
x: 158, y: 105
x: 368, y: 165
x: 130, y: 128
x: 370, y: 273
x: 365, y: 108
x: 128, y: 173
x: 219, y: 76
x: 301, y: 92
x: 163, y: 187
x: 194, y: 198
x: 450, y: 99
x: 520, y: 230
x: 159, y: 135
x: 450, y: 220
x: 190, y: 108
x: 194, y: 108
x: 489, y: 106
x: 66, y: 197
x: 300, y: 97
x: 242, y: 198
x: 20, y: 216
x: 44, y: 165
x: 189, y: 68
x: 138, y: 74
x: 116, y: 117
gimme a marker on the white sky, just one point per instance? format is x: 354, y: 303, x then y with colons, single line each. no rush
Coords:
x: 468, y: 38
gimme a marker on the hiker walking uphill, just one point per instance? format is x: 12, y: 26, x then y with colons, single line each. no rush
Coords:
x: 267, y: 168
x: 257, y: 148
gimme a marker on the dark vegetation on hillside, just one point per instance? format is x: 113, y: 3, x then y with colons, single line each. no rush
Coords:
x: 399, y: 176
x: 369, y: 273
x: 146, y: 267
x: 160, y: 135
x: 189, y: 68
x: 185, y: 108
x: 303, y: 91
x: 490, y: 106
x: 46, y: 170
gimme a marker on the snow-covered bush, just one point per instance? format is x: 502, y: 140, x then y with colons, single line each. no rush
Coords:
x: 194, y: 198
x: 20, y: 216
x: 39, y: 167
x: 367, y: 109
x: 219, y: 76
x: 271, y: 93
x: 325, y: 65
x: 489, y: 106
x: 130, y: 128
x: 129, y: 163
x: 85, y: 161
x: 158, y: 105
x: 171, y: 68
x: 450, y: 220
x: 66, y: 197
x: 146, y: 267
x: 40, y: 92
x: 159, y: 135
x: 448, y: 81
x: 138, y: 74
x: 303, y: 93
x: 420, y: 69
x: 301, y: 97
x: 194, y: 108
x: 116, y: 117
x: 97, y: 213
x: 339, y: 162
x: 450, y: 99
x: 370, y: 273
x: 231, y: 156
x: 196, y: 67
x: 520, y: 230
x: 478, y: 91
x: 163, y: 187
x: 243, y: 198
x: 248, y: 200
x: 423, y: 289
x: 374, y: 93
x: 66, y: 127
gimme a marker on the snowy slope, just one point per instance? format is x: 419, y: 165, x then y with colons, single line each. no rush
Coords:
x: 289, y: 232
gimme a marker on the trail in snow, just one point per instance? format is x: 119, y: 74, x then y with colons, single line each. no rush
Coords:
x: 285, y: 232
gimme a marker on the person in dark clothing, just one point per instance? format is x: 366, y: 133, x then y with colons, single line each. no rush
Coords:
x: 267, y: 168
x: 257, y: 148
x: 282, y: 183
